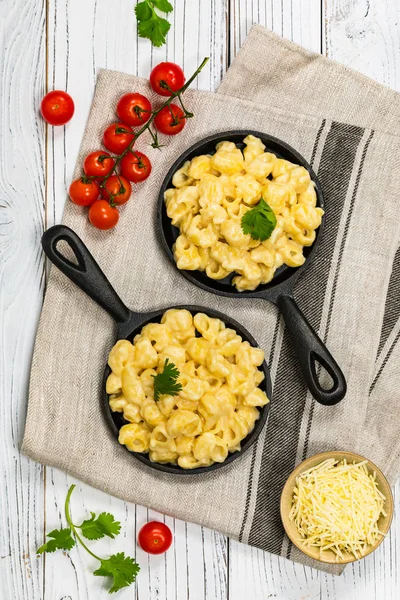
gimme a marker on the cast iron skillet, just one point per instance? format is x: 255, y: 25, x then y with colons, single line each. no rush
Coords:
x: 88, y: 276
x: 308, y: 347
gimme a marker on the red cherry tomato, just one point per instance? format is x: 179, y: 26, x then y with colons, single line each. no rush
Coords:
x: 135, y: 166
x: 155, y: 537
x: 83, y: 191
x: 117, y: 190
x: 134, y: 109
x: 170, y: 120
x: 98, y: 164
x: 102, y: 215
x: 167, y: 75
x: 117, y: 137
x: 57, y: 107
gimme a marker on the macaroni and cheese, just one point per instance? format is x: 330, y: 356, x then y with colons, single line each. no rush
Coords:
x: 216, y: 407
x: 212, y: 193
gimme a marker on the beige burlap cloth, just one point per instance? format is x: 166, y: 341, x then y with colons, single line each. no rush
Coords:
x: 347, y: 126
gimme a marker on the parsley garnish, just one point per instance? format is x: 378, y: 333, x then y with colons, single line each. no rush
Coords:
x: 150, y: 24
x: 123, y: 569
x: 259, y: 222
x: 166, y: 382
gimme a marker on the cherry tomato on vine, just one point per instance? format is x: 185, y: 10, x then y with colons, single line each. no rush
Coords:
x: 117, y: 189
x: 57, y: 107
x: 167, y: 75
x: 170, y: 120
x: 155, y: 537
x: 134, y: 109
x: 98, y: 164
x: 135, y: 166
x: 102, y: 215
x: 117, y: 137
x: 84, y: 191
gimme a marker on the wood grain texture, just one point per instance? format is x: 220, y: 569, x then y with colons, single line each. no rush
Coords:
x: 297, y: 21
x: 365, y: 35
x: 22, y: 60
x: 81, y: 37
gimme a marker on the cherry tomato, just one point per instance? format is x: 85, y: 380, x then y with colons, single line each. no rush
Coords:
x: 98, y: 164
x: 155, y: 537
x: 102, y: 215
x: 170, y: 120
x: 83, y: 191
x: 167, y: 75
x: 134, y: 109
x: 117, y: 190
x: 57, y: 107
x: 117, y: 137
x: 135, y: 166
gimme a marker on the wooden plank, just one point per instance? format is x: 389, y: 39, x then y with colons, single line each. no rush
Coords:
x: 298, y: 21
x: 84, y: 37
x: 22, y: 135
x: 365, y: 35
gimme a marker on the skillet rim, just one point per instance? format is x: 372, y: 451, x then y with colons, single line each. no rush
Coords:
x: 270, y: 291
x: 142, y: 319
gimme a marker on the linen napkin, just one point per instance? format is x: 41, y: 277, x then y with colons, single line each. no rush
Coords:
x: 347, y: 126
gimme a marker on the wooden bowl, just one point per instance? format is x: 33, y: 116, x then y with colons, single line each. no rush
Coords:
x: 286, y: 503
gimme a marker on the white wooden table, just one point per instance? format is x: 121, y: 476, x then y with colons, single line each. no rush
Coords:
x: 62, y: 44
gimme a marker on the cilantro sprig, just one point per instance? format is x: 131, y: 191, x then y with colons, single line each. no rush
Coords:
x: 150, y: 24
x: 122, y: 569
x: 167, y: 381
x: 259, y: 222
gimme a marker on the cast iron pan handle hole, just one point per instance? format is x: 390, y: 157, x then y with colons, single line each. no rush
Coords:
x: 322, y: 373
x: 69, y: 252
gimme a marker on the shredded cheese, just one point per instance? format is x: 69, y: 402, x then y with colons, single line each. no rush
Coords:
x: 336, y: 506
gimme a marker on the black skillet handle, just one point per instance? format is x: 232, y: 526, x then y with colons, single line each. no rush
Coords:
x: 309, y: 351
x: 86, y: 274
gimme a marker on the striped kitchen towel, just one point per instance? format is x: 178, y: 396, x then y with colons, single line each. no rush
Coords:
x: 348, y: 127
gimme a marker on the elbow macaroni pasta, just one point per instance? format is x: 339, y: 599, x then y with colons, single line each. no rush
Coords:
x: 212, y: 193
x: 217, y: 406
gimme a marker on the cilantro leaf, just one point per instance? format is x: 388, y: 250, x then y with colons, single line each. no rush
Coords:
x: 143, y: 11
x: 62, y: 540
x: 259, y: 222
x: 166, y: 382
x: 163, y: 5
x: 154, y: 29
x: 150, y: 24
x: 123, y: 569
x: 96, y: 528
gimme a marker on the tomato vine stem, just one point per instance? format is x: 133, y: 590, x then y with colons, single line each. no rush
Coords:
x: 146, y: 126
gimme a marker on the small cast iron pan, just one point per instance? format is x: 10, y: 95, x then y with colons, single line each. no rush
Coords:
x: 308, y: 347
x: 88, y: 276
